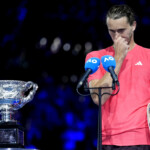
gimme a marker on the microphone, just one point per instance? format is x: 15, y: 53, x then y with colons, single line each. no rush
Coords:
x: 109, y: 64
x: 91, y: 66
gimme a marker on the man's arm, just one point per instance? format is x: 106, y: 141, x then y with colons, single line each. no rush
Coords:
x: 121, y: 48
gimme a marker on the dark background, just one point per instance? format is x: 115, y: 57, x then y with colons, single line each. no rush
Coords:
x: 46, y: 42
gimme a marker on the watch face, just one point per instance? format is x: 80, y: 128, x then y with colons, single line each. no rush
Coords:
x: 148, y: 115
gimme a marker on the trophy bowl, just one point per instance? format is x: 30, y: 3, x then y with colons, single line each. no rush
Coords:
x: 14, y: 95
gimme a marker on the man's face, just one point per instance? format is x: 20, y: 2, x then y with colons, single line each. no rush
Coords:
x: 120, y: 27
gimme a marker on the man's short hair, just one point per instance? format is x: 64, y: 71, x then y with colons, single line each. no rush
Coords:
x: 119, y: 11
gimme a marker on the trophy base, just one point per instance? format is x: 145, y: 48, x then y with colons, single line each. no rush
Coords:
x: 11, y: 135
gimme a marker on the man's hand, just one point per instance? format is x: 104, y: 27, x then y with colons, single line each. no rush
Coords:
x: 121, y: 47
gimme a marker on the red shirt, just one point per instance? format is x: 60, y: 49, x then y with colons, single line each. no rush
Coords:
x: 124, y: 116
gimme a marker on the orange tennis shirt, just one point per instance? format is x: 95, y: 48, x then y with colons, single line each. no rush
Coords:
x: 124, y: 116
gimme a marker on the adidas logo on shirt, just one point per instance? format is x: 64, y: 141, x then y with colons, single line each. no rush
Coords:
x: 138, y: 64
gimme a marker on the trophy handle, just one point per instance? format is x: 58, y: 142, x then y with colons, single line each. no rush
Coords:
x: 25, y: 99
x: 31, y: 94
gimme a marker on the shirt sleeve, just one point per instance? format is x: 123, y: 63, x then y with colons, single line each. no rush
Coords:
x: 100, y: 72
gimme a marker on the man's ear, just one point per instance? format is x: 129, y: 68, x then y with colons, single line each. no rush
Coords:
x: 134, y: 26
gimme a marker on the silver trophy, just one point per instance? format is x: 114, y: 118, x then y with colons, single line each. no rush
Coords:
x: 14, y: 95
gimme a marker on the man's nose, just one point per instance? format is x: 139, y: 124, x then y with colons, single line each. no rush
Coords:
x: 117, y: 34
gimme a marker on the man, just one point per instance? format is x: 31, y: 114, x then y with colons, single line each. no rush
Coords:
x: 124, y: 118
